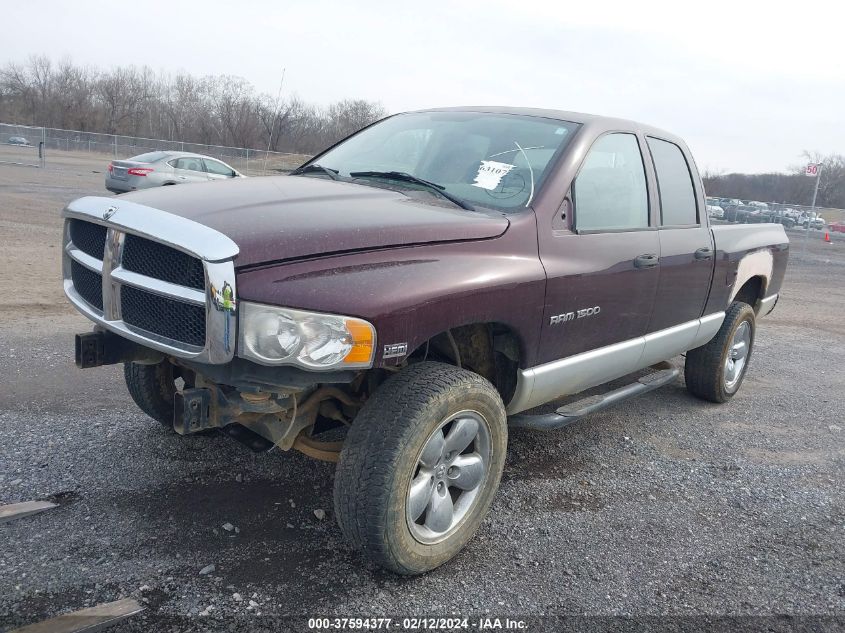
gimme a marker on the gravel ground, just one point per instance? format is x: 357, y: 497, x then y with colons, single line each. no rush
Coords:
x: 663, y: 506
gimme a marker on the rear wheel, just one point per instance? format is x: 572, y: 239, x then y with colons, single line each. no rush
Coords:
x: 420, y: 467
x: 715, y: 371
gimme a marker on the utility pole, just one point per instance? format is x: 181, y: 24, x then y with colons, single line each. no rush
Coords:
x: 813, y: 169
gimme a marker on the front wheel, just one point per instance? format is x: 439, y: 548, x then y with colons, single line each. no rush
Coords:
x: 152, y: 387
x: 715, y: 370
x: 420, y: 467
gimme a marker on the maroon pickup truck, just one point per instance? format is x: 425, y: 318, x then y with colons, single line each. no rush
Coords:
x: 400, y: 300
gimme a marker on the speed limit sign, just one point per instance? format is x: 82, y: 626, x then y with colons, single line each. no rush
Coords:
x: 812, y: 170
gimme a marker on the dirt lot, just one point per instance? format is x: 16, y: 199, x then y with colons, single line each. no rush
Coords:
x: 664, y: 506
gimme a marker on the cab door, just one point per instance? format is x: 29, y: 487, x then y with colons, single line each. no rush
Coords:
x: 687, y: 253
x: 602, y: 270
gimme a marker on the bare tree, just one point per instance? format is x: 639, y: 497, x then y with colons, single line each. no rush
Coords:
x: 135, y: 102
x: 831, y: 179
x: 791, y: 188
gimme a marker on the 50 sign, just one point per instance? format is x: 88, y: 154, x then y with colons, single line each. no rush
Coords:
x: 812, y: 170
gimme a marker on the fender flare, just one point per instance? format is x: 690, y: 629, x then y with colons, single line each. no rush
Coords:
x: 757, y: 264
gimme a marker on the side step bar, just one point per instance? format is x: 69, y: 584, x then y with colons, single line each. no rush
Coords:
x: 569, y: 413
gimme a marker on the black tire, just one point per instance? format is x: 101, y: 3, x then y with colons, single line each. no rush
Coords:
x: 380, y: 457
x: 152, y: 387
x: 705, y: 367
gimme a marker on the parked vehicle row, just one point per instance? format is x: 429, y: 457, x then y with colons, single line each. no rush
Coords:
x: 753, y: 212
x: 714, y: 208
x: 813, y: 222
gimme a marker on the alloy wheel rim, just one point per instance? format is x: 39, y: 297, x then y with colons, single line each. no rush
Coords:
x: 448, y: 476
x: 737, y: 358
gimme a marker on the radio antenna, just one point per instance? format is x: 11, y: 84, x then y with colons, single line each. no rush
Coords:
x: 273, y: 123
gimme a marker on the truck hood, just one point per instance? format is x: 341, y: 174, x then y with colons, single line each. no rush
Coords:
x: 279, y: 218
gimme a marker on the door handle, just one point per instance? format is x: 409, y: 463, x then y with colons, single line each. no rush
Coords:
x: 649, y: 260
x: 704, y: 253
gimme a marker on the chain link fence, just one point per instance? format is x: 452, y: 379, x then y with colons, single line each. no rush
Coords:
x: 58, y: 148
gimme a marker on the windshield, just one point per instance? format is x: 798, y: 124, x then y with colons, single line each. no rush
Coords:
x: 495, y: 160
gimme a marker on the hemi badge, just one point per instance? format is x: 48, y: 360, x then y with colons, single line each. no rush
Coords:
x: 394, y: 350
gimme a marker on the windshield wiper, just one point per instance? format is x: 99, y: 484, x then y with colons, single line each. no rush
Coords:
x: 406, y: 177
x: 314, y: 167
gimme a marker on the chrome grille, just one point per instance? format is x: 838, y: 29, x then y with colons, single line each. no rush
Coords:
x: 152, y: 292
x: 89, y: 238
x: 88, y: 284
x: 158, y: 261
x: 162, y: 316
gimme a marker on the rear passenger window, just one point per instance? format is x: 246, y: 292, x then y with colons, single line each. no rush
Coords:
x: 610, y: 191
x: 192, y: 164
x: 674, y: 182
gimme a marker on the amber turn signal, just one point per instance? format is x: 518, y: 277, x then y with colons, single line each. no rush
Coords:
x: 363, y: 342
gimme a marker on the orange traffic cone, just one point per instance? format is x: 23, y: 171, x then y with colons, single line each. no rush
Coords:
x: 827, y: 237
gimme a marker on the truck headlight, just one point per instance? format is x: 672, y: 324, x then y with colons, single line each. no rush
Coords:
x: 283, y: 336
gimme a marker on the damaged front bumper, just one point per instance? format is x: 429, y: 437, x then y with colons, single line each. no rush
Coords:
x: 277, y: 405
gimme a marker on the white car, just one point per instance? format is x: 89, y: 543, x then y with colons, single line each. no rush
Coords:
x: 715, y: 211
x: 812, y: 222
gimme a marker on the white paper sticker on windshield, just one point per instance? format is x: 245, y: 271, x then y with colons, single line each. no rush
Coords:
x: 490, y: 174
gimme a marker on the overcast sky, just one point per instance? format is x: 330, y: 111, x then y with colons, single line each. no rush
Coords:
x: 749, y: 85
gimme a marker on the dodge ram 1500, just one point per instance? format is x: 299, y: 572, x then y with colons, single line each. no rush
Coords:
x: 400, y: 300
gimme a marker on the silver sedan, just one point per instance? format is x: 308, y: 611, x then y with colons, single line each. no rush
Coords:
x: 156, y: 169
